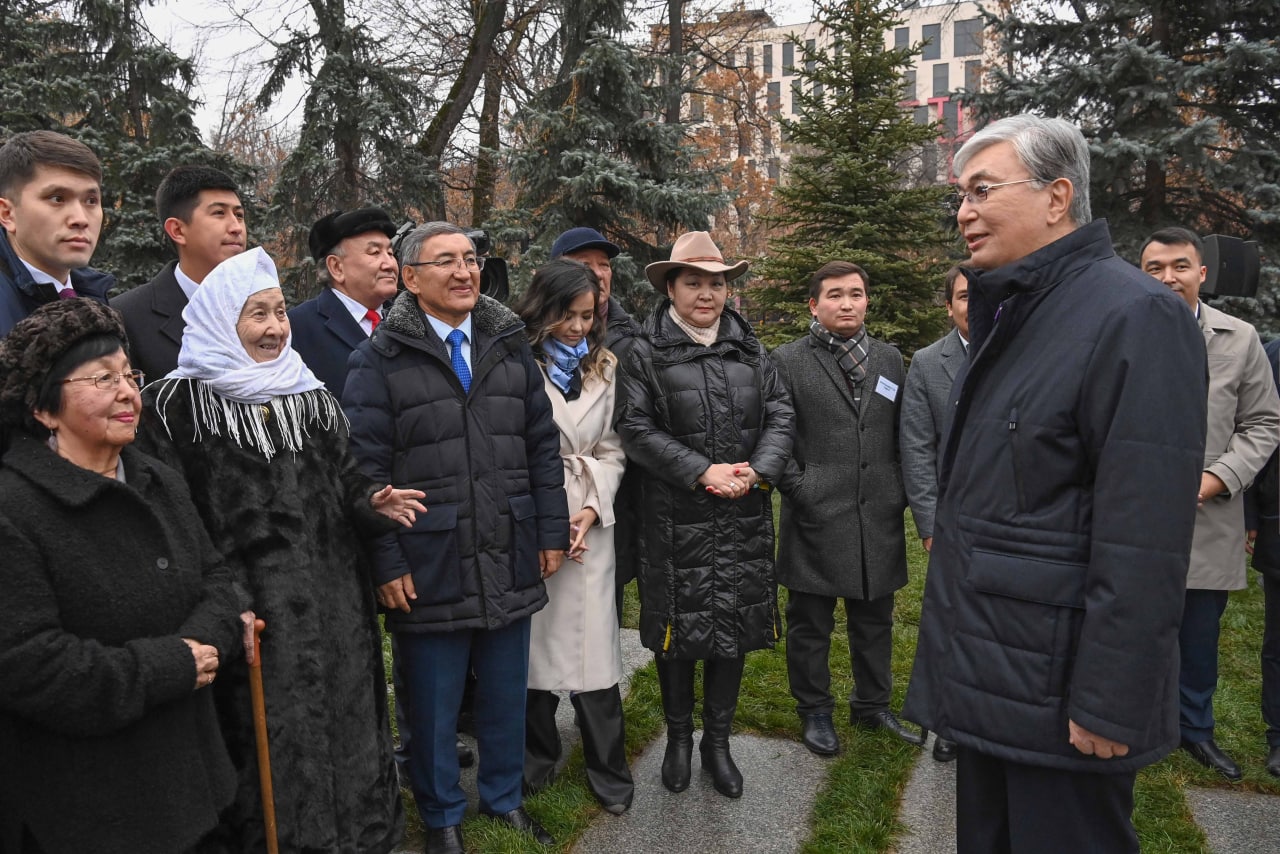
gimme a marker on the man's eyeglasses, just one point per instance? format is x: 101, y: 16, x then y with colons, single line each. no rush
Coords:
x: 979, y: 194
x: 111, y: 379
x: 471, y: 265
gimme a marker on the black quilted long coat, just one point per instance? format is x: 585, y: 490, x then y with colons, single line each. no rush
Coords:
x: 705, y: 569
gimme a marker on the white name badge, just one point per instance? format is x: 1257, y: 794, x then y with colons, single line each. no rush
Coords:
x: 887, y: 389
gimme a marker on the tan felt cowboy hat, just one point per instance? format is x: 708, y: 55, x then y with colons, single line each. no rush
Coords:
x: 693, y: 249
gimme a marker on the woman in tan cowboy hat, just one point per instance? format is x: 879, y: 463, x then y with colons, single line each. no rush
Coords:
x: 704, y: 416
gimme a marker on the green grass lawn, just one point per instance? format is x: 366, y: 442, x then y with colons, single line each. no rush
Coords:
x: 856, y: 810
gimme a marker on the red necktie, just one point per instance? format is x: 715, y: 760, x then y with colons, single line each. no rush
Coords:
x: 67, y: 293
x: 373, y: 317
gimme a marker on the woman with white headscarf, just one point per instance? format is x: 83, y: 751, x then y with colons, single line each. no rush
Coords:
x: 263, y: 446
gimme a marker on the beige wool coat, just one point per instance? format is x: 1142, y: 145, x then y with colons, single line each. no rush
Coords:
x: 574, y: 640
x: 1242, y: 431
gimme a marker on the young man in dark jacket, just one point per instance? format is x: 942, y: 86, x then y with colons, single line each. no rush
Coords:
x: 202, y: 216
x: 1048, y: 635
x: 446, y: 396
x: 51, y: 214
x: 842, y: 500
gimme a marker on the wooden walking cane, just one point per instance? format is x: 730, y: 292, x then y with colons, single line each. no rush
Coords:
x: 260, y: 736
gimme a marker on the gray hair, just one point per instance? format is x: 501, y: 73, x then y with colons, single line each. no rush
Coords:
x: 1049, y: 148
x: 323, y: 277
x: 412, y: 243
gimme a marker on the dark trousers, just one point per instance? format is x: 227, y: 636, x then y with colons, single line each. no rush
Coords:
x: 1198, y: 654
x: 435, y: 671
x: 1271, y: 660
x: 1009, y: 808
x: 810, y: 621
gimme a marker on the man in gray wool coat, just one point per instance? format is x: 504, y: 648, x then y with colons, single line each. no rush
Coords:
x: 842, y: 507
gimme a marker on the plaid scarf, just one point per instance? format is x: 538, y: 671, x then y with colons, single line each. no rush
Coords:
x: 851, y: 353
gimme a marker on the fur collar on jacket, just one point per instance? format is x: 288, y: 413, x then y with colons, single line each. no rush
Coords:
x: 489, y: 317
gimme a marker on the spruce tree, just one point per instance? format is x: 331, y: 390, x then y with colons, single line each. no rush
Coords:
x: 356, y: 143
x: 591, y: 149
x: 92, y: 70
x: 1178, y: 99
x: 846, y: 195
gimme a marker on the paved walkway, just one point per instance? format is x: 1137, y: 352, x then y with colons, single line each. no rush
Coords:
x: 781, y: 782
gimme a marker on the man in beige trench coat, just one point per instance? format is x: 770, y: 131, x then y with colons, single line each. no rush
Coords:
x: 1242, y: 431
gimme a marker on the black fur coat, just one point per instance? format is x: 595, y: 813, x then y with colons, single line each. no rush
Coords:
x: 287, y: 527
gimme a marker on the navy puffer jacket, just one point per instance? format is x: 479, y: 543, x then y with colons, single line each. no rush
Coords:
x: 489, y: 461
x: 1068, y: 500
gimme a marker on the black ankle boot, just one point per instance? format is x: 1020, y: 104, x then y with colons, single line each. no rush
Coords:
x: 604, y: 747
x: 721, y: 679
x: 541, y: 740
x: 675, y: 678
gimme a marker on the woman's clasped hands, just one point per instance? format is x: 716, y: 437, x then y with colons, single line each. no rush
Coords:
x: 729, y: 480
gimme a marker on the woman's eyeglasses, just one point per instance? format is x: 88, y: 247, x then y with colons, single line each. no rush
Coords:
x: 111, y: 379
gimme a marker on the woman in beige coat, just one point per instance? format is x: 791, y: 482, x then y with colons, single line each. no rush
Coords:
x: 574, y: 645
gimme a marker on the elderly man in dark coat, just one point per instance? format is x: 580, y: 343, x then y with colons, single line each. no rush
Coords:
x: 1049, y: 631
x: 447, y: 396
x: 842, y: 502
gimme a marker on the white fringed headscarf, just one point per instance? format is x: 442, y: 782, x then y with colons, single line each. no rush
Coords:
x: 232, y: 392
x: 212, y: 351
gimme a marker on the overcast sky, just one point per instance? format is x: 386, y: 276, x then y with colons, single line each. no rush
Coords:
x: 227, y: 50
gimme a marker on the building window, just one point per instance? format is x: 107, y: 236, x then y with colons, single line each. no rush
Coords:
x: 768, y: 60
x: 730, y: 59
x: 766, y: 141
x: 973, y: 75
x: 817, y: 91
x: 968, y: 37
x: 951, y: 117
x: 810, y: 49
x: 932, y: 35
x: 795, y: 97
x: 775, y: 169
x: 774, y: 101
x: 751, y: 58
x: 941, y: 80
x: 788, y: 59
x: 909, y: 85
x: 921, y: 114
x: 695, y: 108
x: 744, y: 140
x: 902, y: 38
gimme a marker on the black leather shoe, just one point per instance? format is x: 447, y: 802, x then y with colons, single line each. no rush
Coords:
x: 887, y: 720
x: 445, y: 840
x: 521, y: 820
x: 1210, y: 755
x: 1273, y: 761
x: 819, y: 735
x: 944, y: 749
x: 466, y: 756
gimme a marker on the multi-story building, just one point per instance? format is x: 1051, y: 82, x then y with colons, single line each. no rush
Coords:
x: 766, y: 58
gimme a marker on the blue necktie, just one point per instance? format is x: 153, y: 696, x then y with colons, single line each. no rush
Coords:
x: 459, y: 364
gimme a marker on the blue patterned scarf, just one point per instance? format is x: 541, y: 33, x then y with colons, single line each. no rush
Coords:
x: 562, y: 361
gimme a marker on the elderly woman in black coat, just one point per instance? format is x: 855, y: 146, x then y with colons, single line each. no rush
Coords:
x: 703, y: 414
x: 264, y: 448
x: 116, y: 615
